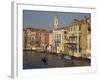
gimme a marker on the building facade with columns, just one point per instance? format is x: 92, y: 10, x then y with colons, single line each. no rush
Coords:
x: 73, y: 39
x: 59, y: 34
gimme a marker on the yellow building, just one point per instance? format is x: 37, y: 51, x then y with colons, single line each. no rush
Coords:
x: 78, y: 38
x: 89, y: 45
x: 73, y: 36
x: 72, y: 40
x: 84, y: 37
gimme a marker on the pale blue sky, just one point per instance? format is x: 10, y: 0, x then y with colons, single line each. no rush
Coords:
x: 45, y: 19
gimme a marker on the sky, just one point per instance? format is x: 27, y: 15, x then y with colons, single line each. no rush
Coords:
x: 45, y: 19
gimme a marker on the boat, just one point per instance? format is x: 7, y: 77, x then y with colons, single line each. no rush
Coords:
x: 67, y: 57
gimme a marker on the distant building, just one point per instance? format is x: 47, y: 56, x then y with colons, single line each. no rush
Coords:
x: 35, y: 38
x: 31, y: 39
x: 44, y: 39
x: 50, y: 47
x: 27, y: 38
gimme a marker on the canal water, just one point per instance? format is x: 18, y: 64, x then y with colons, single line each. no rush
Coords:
x: 33, y: 60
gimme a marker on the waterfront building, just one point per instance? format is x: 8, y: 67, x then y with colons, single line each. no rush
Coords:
x: 85, y: 36
x: 78, y: 38
x: 36, y: 38
x: 59, y: 34
x: 50, y: 47
x: 44, y: 39
x: 73, y: 39
x: 24, y: 38
x: 27, y: 38
x: 31, y: 38
x: 89, y: 45
x: 57, y: 40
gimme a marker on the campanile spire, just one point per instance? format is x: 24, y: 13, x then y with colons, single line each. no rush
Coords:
x: 55, y: 22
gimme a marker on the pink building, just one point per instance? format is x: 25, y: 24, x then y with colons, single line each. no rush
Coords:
x: 44, y: 39
x: 33, y: 37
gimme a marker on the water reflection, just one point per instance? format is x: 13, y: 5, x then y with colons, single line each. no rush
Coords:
x: 33, y: 60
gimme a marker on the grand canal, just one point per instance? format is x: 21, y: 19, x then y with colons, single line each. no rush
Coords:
x: 33, y: 60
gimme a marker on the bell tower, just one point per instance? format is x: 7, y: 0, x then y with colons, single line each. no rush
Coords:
x: 55, y: 22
